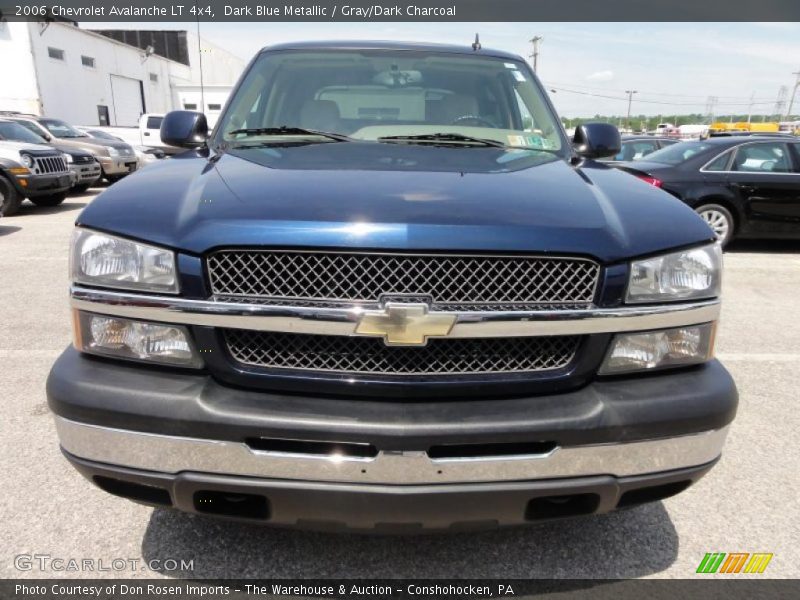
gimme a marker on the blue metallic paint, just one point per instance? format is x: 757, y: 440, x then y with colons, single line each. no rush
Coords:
x: 398, y: 197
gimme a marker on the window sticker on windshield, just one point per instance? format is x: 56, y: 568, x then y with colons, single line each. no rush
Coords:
x: 530, y: 141
x: 510, y: 65
x: 518, y: 76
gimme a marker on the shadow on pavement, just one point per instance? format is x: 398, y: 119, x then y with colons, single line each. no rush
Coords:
x: 7, y: 229
x: 31, y: 209
x: 765, y: 246
x: 627, y: 544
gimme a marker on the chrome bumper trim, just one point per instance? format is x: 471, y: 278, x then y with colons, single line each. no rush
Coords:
x: 343, y: 321
x: 171, y: 454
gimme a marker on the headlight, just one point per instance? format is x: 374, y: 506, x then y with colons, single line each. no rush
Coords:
x: 685, y: 275
x: 68, y: 158
x: 26, y: 160
x: 105, y: 260
x: 651, y: 350
x: 113, y: 151
x: 135, y: 340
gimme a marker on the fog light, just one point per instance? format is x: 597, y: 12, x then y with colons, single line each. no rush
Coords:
x: 135, y: 340
x: 660, y: 349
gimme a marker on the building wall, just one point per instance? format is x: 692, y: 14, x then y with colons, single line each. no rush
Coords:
x: 17, y: 74
x: 33, y: 81
x: 220, y: 67
x: 72, y: 91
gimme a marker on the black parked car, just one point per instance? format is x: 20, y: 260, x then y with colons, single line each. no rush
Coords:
x: 744, y: 187
x: 636, y: 147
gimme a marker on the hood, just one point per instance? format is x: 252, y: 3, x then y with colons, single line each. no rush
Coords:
x: 18, y: 146
x: 71, y: 150
x: 91, y: 145
x: 391, y: 196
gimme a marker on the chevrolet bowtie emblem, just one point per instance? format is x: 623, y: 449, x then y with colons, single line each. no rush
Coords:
x: 404, y: 324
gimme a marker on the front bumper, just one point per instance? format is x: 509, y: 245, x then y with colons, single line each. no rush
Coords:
x: 385, y: 508
x: 85, y: 173
x: 118, y: 165
x: 189, y: 436
x: 42, y: 185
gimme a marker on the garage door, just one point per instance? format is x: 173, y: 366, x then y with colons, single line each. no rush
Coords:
x: 127, y: 101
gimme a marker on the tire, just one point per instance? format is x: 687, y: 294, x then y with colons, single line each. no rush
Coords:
x: 80, y: 189
x: 113, y: 178
x: 719, y: 219
x: 9, y: 198
x: 49, y: 200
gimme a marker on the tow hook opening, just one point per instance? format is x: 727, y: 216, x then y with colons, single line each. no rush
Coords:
x: 133, y: 491
x: 551, y: 507
x: 652, y: 493
x: 231, y: 504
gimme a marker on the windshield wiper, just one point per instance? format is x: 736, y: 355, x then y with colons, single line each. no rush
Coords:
x: 283, y: 130
x: 454, y: 138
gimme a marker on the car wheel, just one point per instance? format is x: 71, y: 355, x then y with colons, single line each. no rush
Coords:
x: 49, y: 200
x: 9, y: 198
x: 80, y: 189
x: 719, y: 219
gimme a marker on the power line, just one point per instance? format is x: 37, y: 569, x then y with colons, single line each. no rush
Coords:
x: 645, y: 93
x: 662, y: 102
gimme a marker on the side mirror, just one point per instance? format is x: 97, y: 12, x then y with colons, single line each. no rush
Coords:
x: 185, y: 129
x: 597, y: 140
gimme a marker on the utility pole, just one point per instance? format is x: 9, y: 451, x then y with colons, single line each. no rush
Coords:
x: 750, y: 107
x: 794, y: 93
x: 630, y: 99
x: 710, y: 104
x: 535, y: 40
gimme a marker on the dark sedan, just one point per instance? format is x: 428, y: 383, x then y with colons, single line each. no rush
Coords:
x: 636, y: 147
x: 744, y: 187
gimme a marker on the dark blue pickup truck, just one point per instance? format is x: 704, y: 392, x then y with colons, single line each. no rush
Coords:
x: 387, y: 293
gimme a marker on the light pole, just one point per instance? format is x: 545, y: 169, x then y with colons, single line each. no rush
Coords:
x: 535, y: 40
x: 630, y: 99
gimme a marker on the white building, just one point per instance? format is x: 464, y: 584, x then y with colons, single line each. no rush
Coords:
x: 86, y: 78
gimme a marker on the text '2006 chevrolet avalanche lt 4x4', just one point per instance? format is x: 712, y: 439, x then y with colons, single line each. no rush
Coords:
x: 387, y: 293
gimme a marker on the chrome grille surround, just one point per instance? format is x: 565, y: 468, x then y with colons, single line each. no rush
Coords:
x: 370, y: 356
x: 49, y: 164
x: 449, y: 282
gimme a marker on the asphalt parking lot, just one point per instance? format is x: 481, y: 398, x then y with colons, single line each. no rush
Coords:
x: 748, y: 503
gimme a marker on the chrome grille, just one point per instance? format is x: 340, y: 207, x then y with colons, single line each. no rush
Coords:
x: 449, y: 281
x: 370, y: 356
x: 49, y: 164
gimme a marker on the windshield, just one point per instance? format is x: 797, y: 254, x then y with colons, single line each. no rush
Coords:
x: 60, y: 129
x: 103, y: 135
x: 17, y: 133
x: 677, y: 153
x: 368, y: 95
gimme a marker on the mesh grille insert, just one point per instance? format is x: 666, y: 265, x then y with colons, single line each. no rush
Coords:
x: 443, y: 279
x: 343, y: 354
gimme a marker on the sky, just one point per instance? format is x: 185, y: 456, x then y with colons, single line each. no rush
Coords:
x: 674, y: 67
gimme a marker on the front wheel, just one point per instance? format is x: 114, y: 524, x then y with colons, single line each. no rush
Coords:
x: 49, y: 200
x: 719, y: 219
x: 9, y: 198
